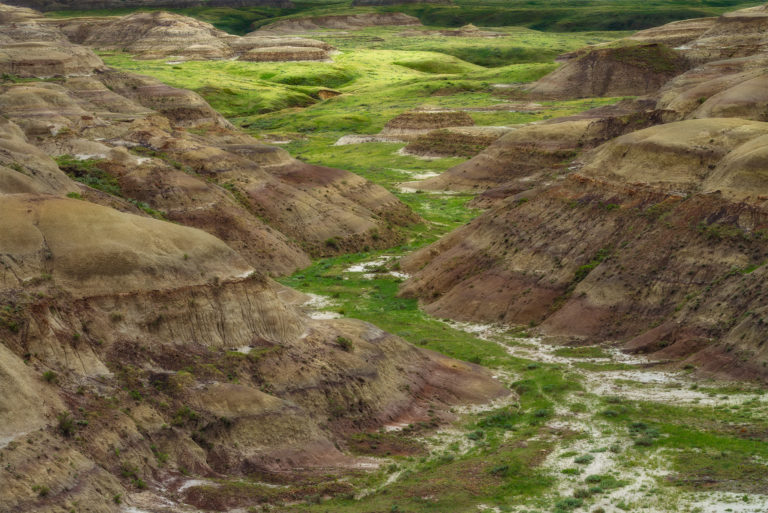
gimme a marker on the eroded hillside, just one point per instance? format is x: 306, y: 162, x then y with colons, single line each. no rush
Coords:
x: 526, y: 293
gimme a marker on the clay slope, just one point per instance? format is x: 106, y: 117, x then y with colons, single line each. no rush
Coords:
x: 159, y: 35
x: 106, y: 302
x: 339, y: 22
x: 659, y: 227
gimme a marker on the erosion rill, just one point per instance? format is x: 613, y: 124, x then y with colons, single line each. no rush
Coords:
x: 538, y: 287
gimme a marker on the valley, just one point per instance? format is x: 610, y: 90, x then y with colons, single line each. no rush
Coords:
x: 383, y: 266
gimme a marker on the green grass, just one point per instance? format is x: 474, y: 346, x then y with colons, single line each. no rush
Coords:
x: 582, y: 352
x: 566, y: 15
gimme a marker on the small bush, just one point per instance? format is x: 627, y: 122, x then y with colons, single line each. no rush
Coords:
x: 66, y: 425
x: 50, y: 376
x: 345, y: 344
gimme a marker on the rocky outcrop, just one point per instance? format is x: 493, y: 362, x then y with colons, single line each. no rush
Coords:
x: 588, y: 255
x: 142, y: 338
x: 727, y: 88
x: 337, y: 22
x: 604, y: 261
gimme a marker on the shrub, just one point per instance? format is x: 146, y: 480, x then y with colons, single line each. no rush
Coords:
x: 50, y: 376
x: 345, y: 343
x: 66, y: 425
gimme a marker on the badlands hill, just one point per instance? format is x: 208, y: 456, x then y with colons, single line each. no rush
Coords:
x: 141, y: 337
x: 159, y: 35
x: 642, y: 224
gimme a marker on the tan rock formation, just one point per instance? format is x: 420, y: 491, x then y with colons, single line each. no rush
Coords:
x: 337, y: 22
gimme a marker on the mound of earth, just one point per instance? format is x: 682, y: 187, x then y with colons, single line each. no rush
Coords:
x: 141, y: 336
x: 150, y: 35
x: 455, y: 141
x: 411, y: 124
x: 662, y: 225
x: 18, y: 24
x: 86, y: 5
x: 284, y: 53
x: 158, y: 35
x: 337, y: 22
x: 629, y: 70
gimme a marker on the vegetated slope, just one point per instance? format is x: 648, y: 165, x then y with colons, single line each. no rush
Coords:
x: 137, y: 350
x: 656, y: 239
